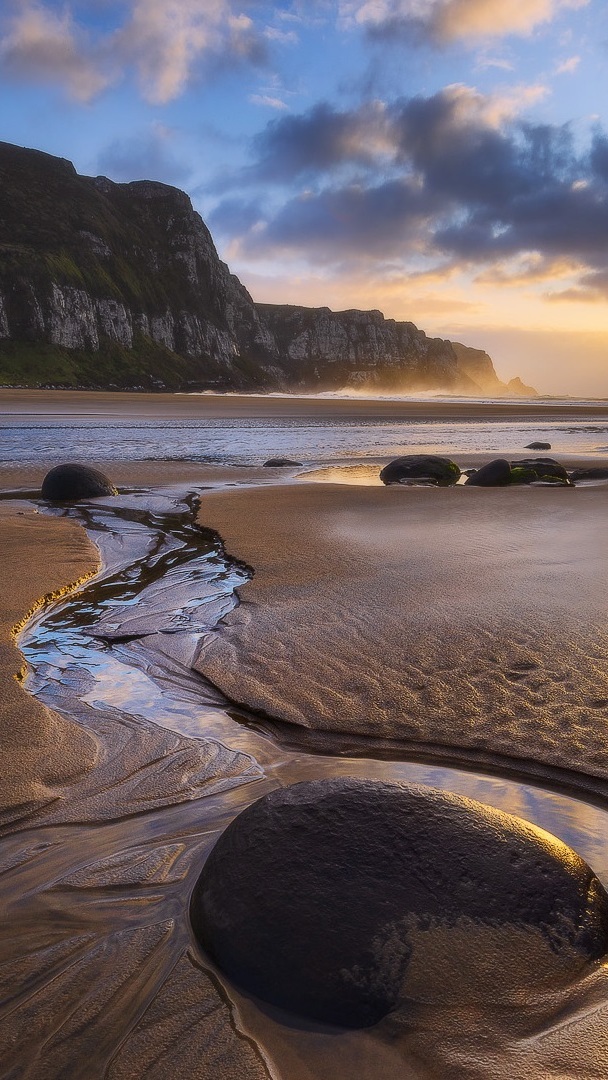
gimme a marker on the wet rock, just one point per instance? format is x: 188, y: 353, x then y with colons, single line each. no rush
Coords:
x: 521, y: 475
x: 496, y: 473
x: 419, y: 481
x: 317, y: 897
x: 595, y: 472
x: 551, y: 481
x: 542, y: 466
x: 67, y: 482
x: 538, y: 446
x: 420, y: 466
x: 279, y: 463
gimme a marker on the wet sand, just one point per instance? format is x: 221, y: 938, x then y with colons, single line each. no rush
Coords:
x: 41, y: 752
x: 96, y: 404
x: 468, y: 618
x: 359, y: 596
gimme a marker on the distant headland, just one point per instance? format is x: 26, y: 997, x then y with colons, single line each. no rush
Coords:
x: 119, y: 286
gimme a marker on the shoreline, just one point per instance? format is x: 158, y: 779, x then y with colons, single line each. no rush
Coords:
x: 117, y: 404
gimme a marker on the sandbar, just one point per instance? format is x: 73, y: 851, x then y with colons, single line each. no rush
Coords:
x: 468, y: 618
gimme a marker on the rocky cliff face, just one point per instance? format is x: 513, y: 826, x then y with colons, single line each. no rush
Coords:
x: 120, y: 285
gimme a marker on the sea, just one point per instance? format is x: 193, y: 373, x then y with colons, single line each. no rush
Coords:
x: 312, y: 440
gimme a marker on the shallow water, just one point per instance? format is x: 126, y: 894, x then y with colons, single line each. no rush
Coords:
x: 83, y: 894
x: 314, y: 440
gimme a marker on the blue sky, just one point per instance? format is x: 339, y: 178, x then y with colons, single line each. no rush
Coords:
x: 445, y: 161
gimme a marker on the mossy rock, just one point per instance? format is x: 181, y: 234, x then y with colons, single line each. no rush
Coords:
x: 421, y: 466
x: 522, y: 476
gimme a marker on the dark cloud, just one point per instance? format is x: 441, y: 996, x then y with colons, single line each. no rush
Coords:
x: 454, y: 174
x: 144, y: 157
x: 318, y: 141
x: 352, y: 221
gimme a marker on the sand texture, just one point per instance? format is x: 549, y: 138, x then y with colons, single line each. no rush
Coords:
x: 96, y: 975
x: 40, y: 750
x: 471, y: 618
x: 462, y: 617
x: 95, y: 403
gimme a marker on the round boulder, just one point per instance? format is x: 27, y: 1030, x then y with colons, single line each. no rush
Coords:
x: 317, y: 897
x: 421, y: 466
x: 65, y: 483
x: 496, y: 473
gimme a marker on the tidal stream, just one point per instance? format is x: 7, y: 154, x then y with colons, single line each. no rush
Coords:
x: 96, y: 886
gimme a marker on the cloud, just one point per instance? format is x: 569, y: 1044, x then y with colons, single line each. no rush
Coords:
x: 146, y: 156
x: 320, y: 140
x: 567, y: 67
x: 41, y: 46
x: 444, y: 21
x: 456, y: 178
x: 166, y: 42
x: 268, y: 101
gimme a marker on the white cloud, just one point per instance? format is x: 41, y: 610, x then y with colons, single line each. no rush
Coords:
x: 449, y: 20
x: 165, y: 41
x: 267, y: 101
x: 283, y: 37
x: 568, y: 66
x: 43, y: 46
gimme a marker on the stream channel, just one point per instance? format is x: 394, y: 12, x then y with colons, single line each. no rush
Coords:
x: 119, y: 652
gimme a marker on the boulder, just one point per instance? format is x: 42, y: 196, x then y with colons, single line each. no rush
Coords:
x: 551, y: 481
x: 595, y: 472
x: 67, y: 482
x: 420, y: 466
x: 542, y: 466
x: 522, y: 475
x: 279, y: 463
x: 538, y: 446
x: 317, y: 897
x: 496, y: 473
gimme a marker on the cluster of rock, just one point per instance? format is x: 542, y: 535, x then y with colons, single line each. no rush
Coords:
x: 318, y: 897
x: 417, y: 469
x: 120, y: 286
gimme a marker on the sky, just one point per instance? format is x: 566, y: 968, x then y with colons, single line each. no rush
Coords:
x: 444, y: 161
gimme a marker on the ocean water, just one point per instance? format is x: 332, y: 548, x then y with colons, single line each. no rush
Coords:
x: 311, y: 440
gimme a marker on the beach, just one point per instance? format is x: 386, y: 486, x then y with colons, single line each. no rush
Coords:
x: 373, y: 630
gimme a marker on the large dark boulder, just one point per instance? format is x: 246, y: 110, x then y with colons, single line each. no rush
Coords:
x: 314, y: 898
x: 420, y: 466
x: 496, y: 473
x: 542, y: 466
x: 67, y: 482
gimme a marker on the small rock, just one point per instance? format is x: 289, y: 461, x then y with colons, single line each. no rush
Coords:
x: 279, y: 463
x: 71, y: 482
x: 538, y: 446
x: 595, y: 472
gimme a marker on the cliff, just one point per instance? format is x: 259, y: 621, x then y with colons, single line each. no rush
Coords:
x: 120, y: 285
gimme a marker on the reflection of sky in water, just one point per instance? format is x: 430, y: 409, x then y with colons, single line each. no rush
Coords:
x: 152, y: 679
x: 251, y: 441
